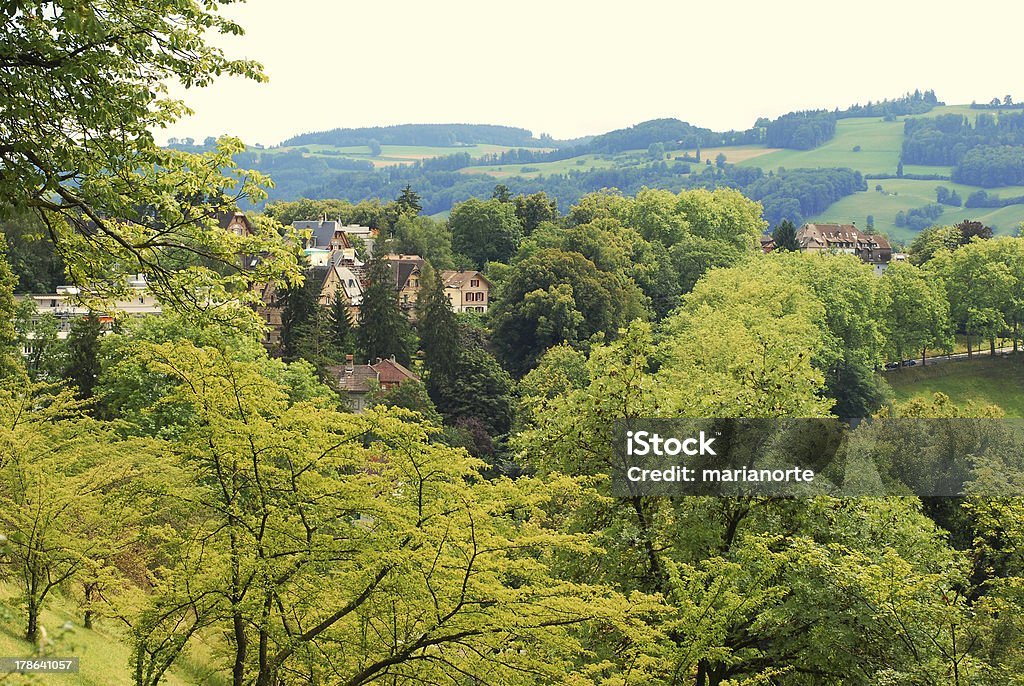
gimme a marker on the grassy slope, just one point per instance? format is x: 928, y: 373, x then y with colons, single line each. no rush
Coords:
x: 103, y: 656
x: 879, y: 141
x: 984, y: 381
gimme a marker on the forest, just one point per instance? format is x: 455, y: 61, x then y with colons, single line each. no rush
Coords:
x: 217, y: 508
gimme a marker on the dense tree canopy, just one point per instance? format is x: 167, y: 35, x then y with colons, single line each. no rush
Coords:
x: 85, y: 89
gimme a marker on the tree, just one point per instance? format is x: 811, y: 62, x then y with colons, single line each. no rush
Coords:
x: 426, y: 237
x: 501, y: 193
x: 339, y: 319
x: 915, y: 312
x: 736, y: 572
x: 299, y: 308
x: 66, y: 502
x: 436, y: 326
x: 899, y: 169
x: 111, y: 199
x: 554, y: 296
x: 533, y: 210
x: 37, y: 334
x: 374, y: 146
x: 82, y: 366
x: 720, y: 160
x: 409, y: 201
x: 784, y: 236
x: 973, y: 229
x: 485, y: 230
x: 9, y: 353
x: 383, y: 329
x: 321, y: 555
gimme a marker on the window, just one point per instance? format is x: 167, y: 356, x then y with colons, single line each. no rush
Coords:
x: 474, y: 283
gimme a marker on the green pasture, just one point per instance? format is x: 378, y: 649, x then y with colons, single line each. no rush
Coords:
x: 906, y: 194
x: 879, y: 143
x: 984, y: 381
x: 581, y: 163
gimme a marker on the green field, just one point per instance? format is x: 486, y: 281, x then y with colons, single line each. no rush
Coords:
x: 984, y: 381
x: 581, y: 163
x: 906, y: 194
x: 879, y: 143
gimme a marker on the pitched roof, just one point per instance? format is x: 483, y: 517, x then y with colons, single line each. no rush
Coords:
x: 325, y: 232
x: 357, y: 378
x: 454, y: 279
x: 391, y: 372
x: 402, y: 267
x: 827, y: 234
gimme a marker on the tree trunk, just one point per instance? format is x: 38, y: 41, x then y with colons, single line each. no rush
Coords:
x: 90, y: 589
x: 924, y: 356
x: 969, y: 347
x: 992, y: 346
x: 32, y: 630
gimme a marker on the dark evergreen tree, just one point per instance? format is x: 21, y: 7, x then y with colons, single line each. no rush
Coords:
x: 299, y: 305
x: 784, y: 236
x: 436, y: 326
x: 83, y: 363
x: 383, y: 329
x: 339, y: 321
x: 409, y: 202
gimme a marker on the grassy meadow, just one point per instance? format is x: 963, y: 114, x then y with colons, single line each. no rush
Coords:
x: 984, y: 381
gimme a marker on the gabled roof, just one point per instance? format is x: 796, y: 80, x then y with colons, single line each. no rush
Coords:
x: 454, y: 279
x: 357, y: 378
x: 828, y: 234
x: 402, y: 267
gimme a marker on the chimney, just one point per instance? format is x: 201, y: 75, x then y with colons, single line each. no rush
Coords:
x: 349, y: 365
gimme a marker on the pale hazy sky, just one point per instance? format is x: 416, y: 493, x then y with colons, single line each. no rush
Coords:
x: 571, y: 68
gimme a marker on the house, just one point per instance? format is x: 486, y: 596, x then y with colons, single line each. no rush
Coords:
x: 406, y: 271
x: 334, y: 276
x: 845, y: 238
x: 767, y: 243
x: 235, y: 222
x: 357, y: 380
x: 468, y: 291
x: 65, y: 306
x: 325, y: 233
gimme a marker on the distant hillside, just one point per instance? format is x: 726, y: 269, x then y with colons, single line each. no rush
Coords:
x: 423, y: 134
x: 923, y: 162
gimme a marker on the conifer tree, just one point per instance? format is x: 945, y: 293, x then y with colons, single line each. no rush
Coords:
x: 83, y: 366
x: 300, y: 305
x: 784, y: 236
x: 339, y: 321
x: 383, y: 329
x: 437, y: 328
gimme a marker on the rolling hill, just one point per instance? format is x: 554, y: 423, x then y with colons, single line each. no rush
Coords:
x: 464, y: 161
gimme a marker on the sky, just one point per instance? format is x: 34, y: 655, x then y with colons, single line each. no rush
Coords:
x: 572, y: 68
